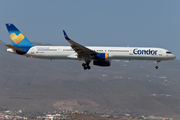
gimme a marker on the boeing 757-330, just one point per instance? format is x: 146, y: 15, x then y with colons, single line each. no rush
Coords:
x: 101, y: 56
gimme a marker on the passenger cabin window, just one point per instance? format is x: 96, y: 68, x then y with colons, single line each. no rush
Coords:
x: 168, y: 52
x: 68, y: 50
x: 118, y: 50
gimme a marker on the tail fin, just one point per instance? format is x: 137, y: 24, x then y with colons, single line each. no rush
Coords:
x: 17, y: 38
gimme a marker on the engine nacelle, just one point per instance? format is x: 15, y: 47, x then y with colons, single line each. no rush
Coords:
x: 101, y: 56
x: 102, y: 63
x: 20, y: 52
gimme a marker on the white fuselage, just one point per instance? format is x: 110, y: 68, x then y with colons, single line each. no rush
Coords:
x: 115, y: 53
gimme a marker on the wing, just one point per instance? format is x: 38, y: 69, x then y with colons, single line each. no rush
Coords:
x: 79, y: 49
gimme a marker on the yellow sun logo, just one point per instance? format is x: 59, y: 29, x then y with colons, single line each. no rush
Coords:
x: 17, y: 38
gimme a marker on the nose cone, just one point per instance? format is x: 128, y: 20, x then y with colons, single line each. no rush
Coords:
x: 173, y: 57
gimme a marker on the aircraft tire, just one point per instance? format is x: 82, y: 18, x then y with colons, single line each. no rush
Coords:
x: 156, y: 67
x: 88, y: 67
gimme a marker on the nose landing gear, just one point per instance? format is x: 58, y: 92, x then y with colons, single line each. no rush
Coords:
x: 157, y: 64
x: 156, y: 67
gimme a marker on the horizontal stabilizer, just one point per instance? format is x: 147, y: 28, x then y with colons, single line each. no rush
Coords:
x: 15, y: 48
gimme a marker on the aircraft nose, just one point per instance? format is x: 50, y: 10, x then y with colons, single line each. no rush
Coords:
x: 173, y: 57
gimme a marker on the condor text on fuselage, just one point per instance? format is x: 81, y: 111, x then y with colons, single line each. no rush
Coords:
x: 145, y: 52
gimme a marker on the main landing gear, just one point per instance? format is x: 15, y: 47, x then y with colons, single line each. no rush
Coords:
x: 86, y: 66
x: 87, y: 62
x: 157, y: 64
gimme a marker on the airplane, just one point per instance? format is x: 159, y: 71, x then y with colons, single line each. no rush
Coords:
x: 101, y: 56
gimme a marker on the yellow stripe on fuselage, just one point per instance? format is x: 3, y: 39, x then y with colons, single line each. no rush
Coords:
x: 106, y: 56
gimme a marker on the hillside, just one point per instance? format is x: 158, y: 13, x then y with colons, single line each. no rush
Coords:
x: 118, y: 95
x: 125, y: 86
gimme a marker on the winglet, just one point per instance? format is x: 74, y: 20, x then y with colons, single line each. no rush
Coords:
x: 65, y: 35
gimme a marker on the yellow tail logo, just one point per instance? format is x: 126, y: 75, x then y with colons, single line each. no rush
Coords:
x: 17, y: 38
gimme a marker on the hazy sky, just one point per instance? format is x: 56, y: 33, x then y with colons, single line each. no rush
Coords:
x: 148, y: 23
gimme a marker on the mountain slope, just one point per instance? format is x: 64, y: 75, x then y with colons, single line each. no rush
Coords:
x: 93, y: 95
x: 43, y: 85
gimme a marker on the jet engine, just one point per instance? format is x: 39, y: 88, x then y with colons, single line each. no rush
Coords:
x: 102, y: 63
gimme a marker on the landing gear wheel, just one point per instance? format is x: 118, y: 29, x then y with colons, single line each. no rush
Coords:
x: 86, y: 66
x: 156, y: 67
x: 157, y: 64
x: 83, y: 64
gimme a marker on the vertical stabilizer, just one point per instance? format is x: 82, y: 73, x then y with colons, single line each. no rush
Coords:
x: 17, y: 38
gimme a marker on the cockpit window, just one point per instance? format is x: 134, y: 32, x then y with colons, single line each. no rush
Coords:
x: 168, y: 52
